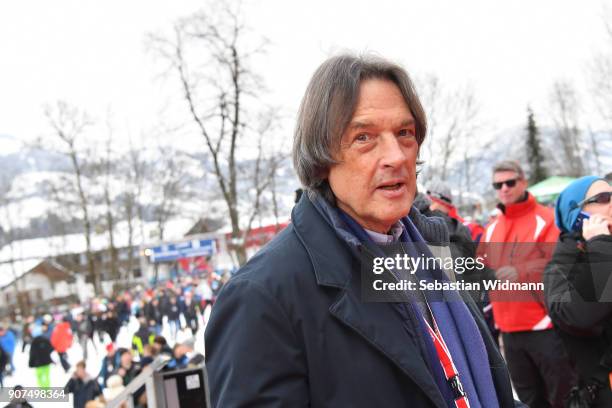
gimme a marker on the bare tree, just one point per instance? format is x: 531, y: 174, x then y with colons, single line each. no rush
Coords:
x: 594, y: 149
x: 133, y: 167
x: 600, y: 84
x: 262, y: 172
x: 8, y: 230
x: 600, y: 74
x: 430, y: 94
x: 210, y: 55
x: 105, y: 168
x: 565, y: 111
x: 69, y: 125
x: 453, y: 120
x: 171, y: 186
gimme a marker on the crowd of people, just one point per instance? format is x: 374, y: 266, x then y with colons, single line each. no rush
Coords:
x: 178, y: 304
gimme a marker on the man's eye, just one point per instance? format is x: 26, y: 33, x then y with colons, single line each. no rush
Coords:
x: 405, y: 132
x: 362, y: 137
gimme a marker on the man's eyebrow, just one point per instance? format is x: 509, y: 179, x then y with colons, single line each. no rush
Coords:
x: 364, y: 125
x: 359, y: 125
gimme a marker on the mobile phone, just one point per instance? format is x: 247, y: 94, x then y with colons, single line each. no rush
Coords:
x: 582, y: 215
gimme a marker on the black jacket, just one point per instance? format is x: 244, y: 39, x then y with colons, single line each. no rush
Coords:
x: 190, y: 311
x: 83, y: 328
x: 83, y: 390
x: 111, y: 326
x: 153, y: 313
x: 172, y: 310
x: 4, y: 359
x: 290, y: 330
x: 578, y: 290
x: 40, y: 352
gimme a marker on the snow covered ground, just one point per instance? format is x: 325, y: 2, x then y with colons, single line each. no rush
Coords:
x: 25, y: 376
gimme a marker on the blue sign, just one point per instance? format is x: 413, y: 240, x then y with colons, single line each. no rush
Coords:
x: 186, y: 249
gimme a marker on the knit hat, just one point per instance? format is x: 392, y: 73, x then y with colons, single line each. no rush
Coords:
x: 566, y: 207
x: 189, y: 342
x: 114, y: 386
x: 440, y: 190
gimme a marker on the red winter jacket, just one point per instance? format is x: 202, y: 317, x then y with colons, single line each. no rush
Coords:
x: 61, y: 338
x: 523, y: 228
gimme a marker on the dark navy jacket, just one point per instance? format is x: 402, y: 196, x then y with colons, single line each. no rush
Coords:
x: 290, y: 330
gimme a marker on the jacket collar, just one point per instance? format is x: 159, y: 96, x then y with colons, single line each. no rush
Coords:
x: 314, y: 216
x: 519, y: 209
x: 319, y: 234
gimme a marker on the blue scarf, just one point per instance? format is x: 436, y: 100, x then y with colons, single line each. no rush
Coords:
x: 452, y: 316
x: 458, y: 329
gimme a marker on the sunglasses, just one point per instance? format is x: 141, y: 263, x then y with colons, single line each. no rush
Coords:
x: 601, y: 198
x: 439, y: 196
x: 509, y: 183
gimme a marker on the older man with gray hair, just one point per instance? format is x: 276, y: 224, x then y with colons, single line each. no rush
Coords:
x: 292, y: 329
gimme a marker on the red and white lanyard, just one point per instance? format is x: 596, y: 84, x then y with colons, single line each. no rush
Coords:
x: 446, y: 361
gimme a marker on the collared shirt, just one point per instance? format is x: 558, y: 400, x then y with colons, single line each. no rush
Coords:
x: 396, y: 233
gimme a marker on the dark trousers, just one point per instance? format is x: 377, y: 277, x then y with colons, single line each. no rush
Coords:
x: 540, y: 369
x: 64, y: 361
x: 192, y: 323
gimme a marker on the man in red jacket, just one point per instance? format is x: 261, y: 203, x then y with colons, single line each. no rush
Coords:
x: 61, y: 339
x: 518, y: 246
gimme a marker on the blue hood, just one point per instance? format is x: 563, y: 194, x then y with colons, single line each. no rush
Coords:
x: 566, y: 208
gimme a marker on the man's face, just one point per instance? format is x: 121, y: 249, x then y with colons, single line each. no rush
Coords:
x: 80, y: 372
x: 435, y: 206
x: 180, y: 351
x: 509, y: 195
x: 375, y: 179
x: 126, y: 360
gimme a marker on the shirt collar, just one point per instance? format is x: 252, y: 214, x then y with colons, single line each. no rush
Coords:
x: 378, y: 238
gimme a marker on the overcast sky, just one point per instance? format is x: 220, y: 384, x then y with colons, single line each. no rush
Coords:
x: 92, y: 53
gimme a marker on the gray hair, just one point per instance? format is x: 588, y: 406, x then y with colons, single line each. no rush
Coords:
x: 327, y: 107
x: 509, y: 165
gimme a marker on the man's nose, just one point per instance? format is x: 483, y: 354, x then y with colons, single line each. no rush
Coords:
x: 392, y: 154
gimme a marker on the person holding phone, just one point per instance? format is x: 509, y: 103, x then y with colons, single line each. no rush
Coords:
x: 578, y: 287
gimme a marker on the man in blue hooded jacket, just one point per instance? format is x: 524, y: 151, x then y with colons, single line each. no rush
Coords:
x: 8, y: 342
x: 291, y: 329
